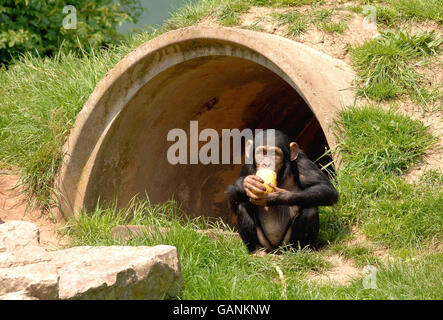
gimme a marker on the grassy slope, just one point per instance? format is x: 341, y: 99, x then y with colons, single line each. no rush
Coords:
x: 39, y: 99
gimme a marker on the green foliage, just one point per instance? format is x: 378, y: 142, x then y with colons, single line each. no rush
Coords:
x: 227, y: 12
x: 322, y: 18
x: 413, y: 220
x: 391, y: 12
x: 385, y: 64
x: 37, y: 26
x: 368, y: 2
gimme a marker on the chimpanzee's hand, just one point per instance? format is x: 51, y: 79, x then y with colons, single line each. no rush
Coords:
x: 254, y: 187
x: 267, y: 198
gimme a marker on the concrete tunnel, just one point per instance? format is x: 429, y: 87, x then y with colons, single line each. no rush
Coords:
x: 224, y: 78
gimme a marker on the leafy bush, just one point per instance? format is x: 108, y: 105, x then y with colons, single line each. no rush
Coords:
x: 38, y: 25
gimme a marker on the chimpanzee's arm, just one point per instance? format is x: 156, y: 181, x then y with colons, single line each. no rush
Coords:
x: 237, y: 193
x: 317, y: 190
x: 244, y: 210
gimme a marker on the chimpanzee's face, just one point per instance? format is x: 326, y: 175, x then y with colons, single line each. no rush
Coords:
x: 269, y: 157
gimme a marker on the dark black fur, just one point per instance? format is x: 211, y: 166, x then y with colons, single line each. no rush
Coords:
x: 312, y: 189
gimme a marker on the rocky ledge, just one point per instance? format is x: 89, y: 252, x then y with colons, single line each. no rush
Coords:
x: 27, y: 271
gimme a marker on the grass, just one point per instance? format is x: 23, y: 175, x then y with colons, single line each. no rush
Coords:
x: 355, y: 9
x: 390, y: 12
x: 189, y: 15
x: 230, y: 13
x: 386, y: 64
x: 221, y: 268
x: 227, y: 12
x: 381, y: 141
x: 334, y: 27
x: 388, y: 210
x: 296, y: 22
x: 284, y: 3
x: 322, y: 19
x: 257, y: 25
x: 420, y: 10
x: 361, y: 255
x: 387, y: 16
x: 321, y: 15
x: 377, y: 147
x: 212, y: 268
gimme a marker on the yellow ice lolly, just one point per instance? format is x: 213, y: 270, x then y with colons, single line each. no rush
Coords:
x: 268, y: 176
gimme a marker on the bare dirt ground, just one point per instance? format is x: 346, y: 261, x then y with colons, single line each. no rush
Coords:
x: 342, y: 273
x: 344, y: 270
x: 13, y: 206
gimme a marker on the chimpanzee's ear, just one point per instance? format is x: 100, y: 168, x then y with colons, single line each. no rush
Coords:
x: 295, y: 149
x: 248, y: 147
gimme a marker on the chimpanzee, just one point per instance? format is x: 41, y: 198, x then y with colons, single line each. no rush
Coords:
x: 287, y: 216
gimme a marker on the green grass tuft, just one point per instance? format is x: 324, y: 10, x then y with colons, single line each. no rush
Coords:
x: 385, y: 64
x: 296, y: 22
x: 355, y: 9
x: 189, y: 15
x: 420, y: 10
x: 321, y: 15
x: 381, y: 141
x: 361, y: 255
x: 387, y: 16
x: 230, y: 13
x: 376, y: 147
x: 284, y: 3
x: 334, y: 27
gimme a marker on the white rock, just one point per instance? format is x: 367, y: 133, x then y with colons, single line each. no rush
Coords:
x: 20, y: 295
x: 18, y: 234
x: 118, y: 272
x: 38, y: 280
x: 27, y: 271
